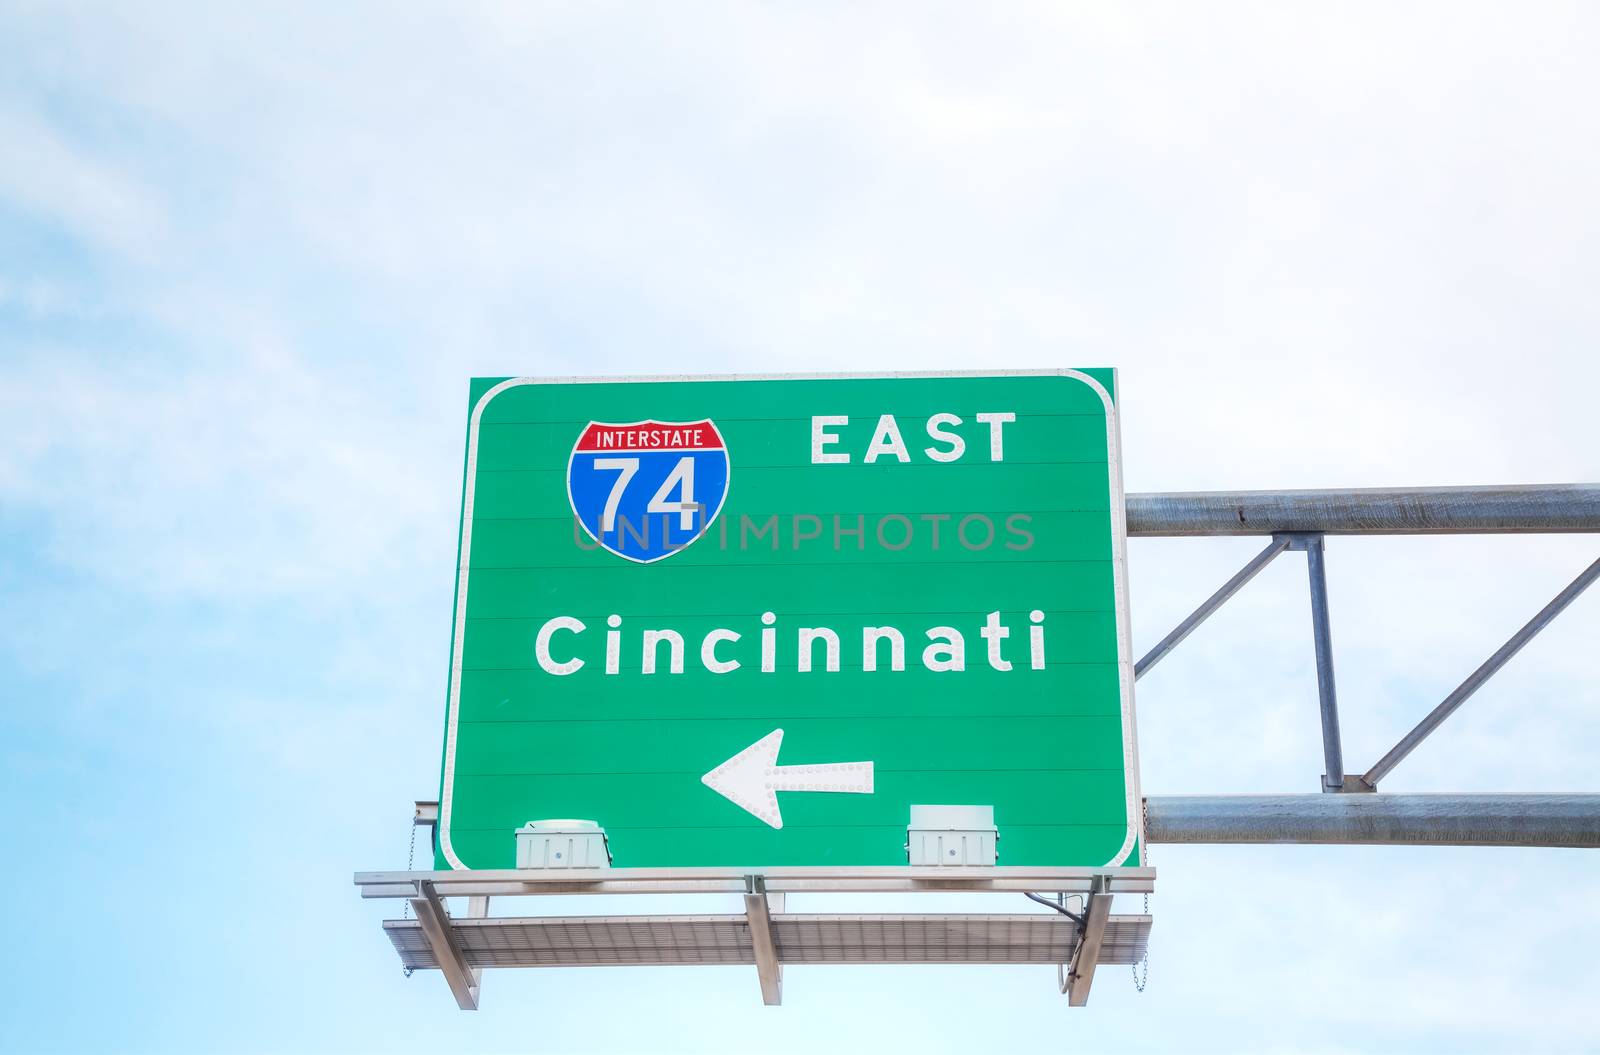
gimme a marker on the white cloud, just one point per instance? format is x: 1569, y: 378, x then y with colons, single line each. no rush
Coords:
x: 94, y: 198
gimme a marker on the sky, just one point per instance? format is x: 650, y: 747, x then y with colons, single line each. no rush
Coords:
x: 249, y: 257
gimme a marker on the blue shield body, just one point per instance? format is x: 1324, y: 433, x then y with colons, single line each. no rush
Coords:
x: 646, y: 489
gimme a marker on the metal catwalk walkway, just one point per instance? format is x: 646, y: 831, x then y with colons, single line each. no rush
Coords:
x: 577, y: 941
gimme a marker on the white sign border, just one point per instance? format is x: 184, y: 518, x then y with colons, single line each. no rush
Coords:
x: 1119, y: 567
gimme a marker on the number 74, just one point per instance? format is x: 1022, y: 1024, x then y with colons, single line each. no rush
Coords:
x: 681, y: 477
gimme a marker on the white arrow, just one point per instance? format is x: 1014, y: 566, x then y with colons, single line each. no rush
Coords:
x: 752, y: 778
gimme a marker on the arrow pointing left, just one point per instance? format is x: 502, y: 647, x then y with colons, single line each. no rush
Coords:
x: 752, y: 778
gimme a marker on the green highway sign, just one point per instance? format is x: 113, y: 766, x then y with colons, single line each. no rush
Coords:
x: 753, y: 621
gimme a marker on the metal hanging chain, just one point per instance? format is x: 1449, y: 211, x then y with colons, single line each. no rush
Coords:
x: 411, y: 860
x: 1140, y: 981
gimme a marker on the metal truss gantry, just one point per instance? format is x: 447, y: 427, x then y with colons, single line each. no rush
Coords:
x: 1351, y: 811
x: 1302, y: 520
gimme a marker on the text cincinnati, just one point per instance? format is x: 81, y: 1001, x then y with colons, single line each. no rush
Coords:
x: 815, y: 647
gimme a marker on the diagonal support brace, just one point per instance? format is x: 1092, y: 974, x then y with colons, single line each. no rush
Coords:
x: 758, y: 912
x: 1087, y: 955
x: 1475, y: 680
x: 1278, y: 544
x: 435, y: 920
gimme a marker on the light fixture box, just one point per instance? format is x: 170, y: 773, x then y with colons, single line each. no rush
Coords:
x: 952, y: 837
x: 562, y: 844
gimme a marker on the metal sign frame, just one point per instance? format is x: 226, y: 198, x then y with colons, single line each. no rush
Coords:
x: 1300, y: 519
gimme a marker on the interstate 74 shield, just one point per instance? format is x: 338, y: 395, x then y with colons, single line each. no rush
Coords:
x: 644, y: 490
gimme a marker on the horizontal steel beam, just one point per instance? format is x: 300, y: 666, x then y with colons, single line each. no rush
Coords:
x: 1382, y: 819
x: 509, y: 882
x: 1369, y: 511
